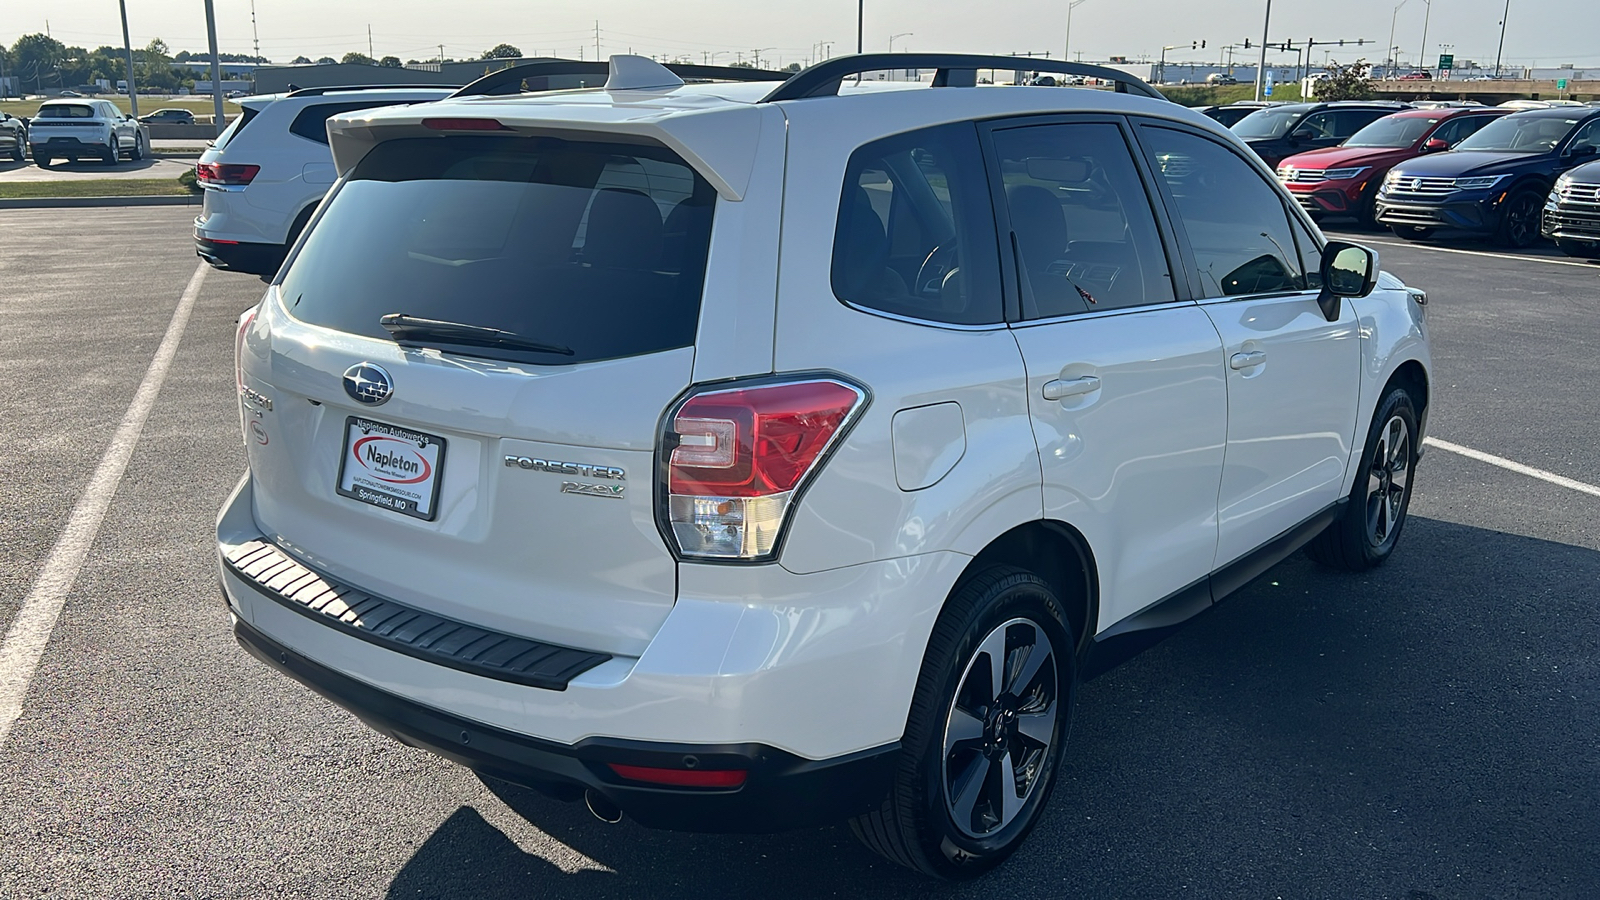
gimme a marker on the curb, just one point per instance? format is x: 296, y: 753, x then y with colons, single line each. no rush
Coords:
x: 81, y: 202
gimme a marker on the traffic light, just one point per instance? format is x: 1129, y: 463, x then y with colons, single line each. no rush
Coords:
x: 1197, y: 45
x: 1247, y: 43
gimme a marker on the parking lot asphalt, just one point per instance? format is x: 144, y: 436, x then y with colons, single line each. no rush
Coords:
x: 1427, y: 730
x: 93, y: 170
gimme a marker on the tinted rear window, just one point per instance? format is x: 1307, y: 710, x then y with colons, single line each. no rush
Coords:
x: 312, y: 122
x: 66, y: 111
x: 600, y: 247
x: 246, y: 113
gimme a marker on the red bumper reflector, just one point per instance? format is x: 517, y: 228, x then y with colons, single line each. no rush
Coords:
x: 723, y: 778
x: 464, y: 125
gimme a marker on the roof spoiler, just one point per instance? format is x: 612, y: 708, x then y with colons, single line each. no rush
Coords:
x: 509, y: 80
x: 953, y: 70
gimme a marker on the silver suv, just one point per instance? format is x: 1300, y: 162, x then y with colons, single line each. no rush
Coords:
x: 742, y: 456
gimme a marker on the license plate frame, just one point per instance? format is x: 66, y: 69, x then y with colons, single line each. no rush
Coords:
x: 391, y: 450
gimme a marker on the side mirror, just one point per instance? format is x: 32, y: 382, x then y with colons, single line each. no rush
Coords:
x: 1434, y: 145
x: 1583, y: 150
x: 1300, y: 135
x: 1348, y: 270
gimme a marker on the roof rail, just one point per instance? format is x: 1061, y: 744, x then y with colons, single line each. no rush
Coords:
x: 319, y: 91
x: 509, y: 80
x: 954, y: 70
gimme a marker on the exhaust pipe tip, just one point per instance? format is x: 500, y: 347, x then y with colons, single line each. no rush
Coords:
x: 602, y: 808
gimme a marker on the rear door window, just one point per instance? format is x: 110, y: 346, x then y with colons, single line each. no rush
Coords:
x: 915, y: 233
x: 312, y: 122
x: 246, y: 113
x: 597, y: 247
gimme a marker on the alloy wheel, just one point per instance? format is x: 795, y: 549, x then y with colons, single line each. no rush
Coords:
x: 1388, y: 478
x: 999, y: 730
x: 1521, y: 220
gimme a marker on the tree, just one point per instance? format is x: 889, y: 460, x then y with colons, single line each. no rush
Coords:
x: 502, y: 51
x: 358, y: 59
x: 792, y: 67
x: 1346, y: 82
x: 34, y: 58
x: 301, y: 61
x: 326, y: 61
x: 390, y: 62
x: 741, y: 64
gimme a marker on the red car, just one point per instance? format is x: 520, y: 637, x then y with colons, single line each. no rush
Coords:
x: 1343, y: 180
x: 1416, y: 76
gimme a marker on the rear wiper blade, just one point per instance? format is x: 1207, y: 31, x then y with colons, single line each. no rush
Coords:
x: 413, y: 329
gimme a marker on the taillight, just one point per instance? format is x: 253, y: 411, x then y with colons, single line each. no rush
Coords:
x: 245, y: 318
x: 736, y: 458
x: 232, y: 174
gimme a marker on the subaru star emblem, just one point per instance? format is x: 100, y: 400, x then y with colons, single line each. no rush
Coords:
x: 367, y: 383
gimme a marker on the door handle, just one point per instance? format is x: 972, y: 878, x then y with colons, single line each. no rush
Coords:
x: 1248, y: 359
x: 1062, y: 388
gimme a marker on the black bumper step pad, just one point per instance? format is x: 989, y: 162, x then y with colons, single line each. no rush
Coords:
x: 403, y: 629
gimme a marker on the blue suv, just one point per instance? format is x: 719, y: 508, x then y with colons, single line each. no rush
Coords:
x: 1494, y: 183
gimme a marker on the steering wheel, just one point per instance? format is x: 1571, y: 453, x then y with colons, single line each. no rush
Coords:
x: 930, y: 277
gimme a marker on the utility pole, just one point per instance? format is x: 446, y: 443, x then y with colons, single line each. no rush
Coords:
x: 216, y: 69
x: 127, y: 46
x: 369, y: 41
x: 1422, y: 51
x: 861, y: 18
x: 254, y: 32
x: 1501, y: 49
x: 1261, y: 70
x: 596, y: 38
x: 441, y: 54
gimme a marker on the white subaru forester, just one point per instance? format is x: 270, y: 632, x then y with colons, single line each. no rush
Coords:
x: 742, y: 457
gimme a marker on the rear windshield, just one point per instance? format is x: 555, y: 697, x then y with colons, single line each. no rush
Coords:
x: 1391, y: 131
x: 1521, y: 134
x: 1267, y: 124
x: 597, y: 247
x: 246, y: 113
x: 66, y: 111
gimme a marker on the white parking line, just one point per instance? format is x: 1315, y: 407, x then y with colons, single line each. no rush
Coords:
x: 1513, y: 466
x: 30, y: 632
x: 1533, y: 259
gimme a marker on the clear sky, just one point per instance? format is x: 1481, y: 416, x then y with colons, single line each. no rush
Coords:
x: 1540, y: 32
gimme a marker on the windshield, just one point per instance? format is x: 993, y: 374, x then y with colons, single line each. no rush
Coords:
x: 66, y: 111
x: 597, y: 247
x: 1521, y: 134
x: 1267, y: 123
x: 1392, y: 132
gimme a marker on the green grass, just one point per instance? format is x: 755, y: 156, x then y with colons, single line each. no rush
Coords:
x: 1223, y: 94
x: 99, y: 187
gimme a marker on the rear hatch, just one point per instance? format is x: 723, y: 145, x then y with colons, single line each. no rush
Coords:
x: 79, y: 121
x: 507, y: 479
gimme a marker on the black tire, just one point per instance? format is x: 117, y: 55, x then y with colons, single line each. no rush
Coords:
x: 1366, y: 211
x: 1411, y: 232
x: 113, y: 153
x: 915, y: 825
x: 137, y: 153
x: 17, y: 153
x: 1519, y: 221
x: 42, y: 162
x: 1357, y: 541
x: 1580, y: 249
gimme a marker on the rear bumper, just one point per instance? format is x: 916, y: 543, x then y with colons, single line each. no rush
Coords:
x: 782, y: 791
x: 240, y: 256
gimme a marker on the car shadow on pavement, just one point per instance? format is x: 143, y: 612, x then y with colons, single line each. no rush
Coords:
x: 97, y: 165
x: 1424, y: 729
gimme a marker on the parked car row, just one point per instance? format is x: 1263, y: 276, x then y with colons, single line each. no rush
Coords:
x: 1507, y: 173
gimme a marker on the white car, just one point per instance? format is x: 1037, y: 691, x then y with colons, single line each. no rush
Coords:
x: 741, y: 457
x: 83, y: 129
x: 264, y: 175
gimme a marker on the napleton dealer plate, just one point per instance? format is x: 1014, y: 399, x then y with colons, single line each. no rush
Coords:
x: 391, y: 467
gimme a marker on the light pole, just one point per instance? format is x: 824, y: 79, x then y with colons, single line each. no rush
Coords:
x: 1503, y: 16
x: 1066, y: 49
x: 900, y: 35
x: 1422, y: 51
x: 1261, y: 70
x: 861, y: 16
x: 133, y: 92
x: 1163, y: 67
x: 1392, y: 18
x: 216, y: 69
